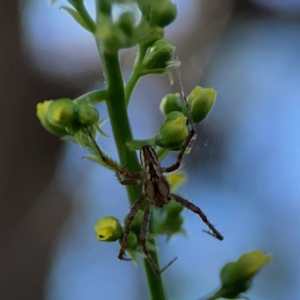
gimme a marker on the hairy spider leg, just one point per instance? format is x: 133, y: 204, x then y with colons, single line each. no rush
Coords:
x: 133, y: 211
x: 111, y: 163
x: 143, y: 240
x: 199, y: 212
x: 128, y: 181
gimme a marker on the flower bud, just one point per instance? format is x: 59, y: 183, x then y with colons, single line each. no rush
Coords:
x: 42, y: 114
x: 126, y: 23
x: 163, y: 13
x: 171, y: 102
x: 158, y: 56
x: 173, y: 132
x: 62, y: 112
x: 87, y: 114
x: 201, y: 101
x: 237, y: 276
x: 108, y: 229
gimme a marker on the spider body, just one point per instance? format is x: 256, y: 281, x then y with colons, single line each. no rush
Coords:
x: 156, y: 190
x: 156, y: 186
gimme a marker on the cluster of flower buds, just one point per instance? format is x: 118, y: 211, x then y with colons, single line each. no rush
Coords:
x: 114, y: 30
x: 174, y: 130
x: 64, y: 116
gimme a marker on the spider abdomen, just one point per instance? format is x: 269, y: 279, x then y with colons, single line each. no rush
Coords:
x: 157, y: 191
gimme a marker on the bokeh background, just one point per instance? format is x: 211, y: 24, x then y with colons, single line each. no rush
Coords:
x: 243, y: 170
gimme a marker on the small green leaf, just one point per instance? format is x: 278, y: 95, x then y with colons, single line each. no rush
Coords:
x: 133, y: 255
x: 138, y: 144
x: 69, y: 138
x: 99, y: 124
x: 76, y: 16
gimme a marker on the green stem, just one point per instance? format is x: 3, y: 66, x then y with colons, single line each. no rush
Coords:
x: 117, y: 111
x: 136, y: 74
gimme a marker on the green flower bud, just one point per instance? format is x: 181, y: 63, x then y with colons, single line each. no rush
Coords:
x: 201, y: 101
x: 108, y: 229
x: 62, y: 112
x: 163, y: 13
x: 126, y: 23
x: 42, y: 114
x: 87, y: 114
x: 173, y: 132
x: 158, y: 56
x: 158, y: 12
x: 236, y: 277
x: 171, y: 102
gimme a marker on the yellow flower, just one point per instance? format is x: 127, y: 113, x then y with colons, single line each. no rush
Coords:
x: 176, y: 179
x: 108, y: 229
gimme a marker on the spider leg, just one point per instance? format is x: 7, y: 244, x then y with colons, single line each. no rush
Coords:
x: 199, y: 212
x: 110, y: 162
x: 128, y: 181
x: 133, y: 211
x: 180, y: 155
x: 190, y: 137
x: 143, y: 239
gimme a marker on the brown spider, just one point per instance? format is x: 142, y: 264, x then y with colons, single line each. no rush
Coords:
x: 156, y: 189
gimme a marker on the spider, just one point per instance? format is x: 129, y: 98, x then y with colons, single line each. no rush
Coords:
x: 157, y: 191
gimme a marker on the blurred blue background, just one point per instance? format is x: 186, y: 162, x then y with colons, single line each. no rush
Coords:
x: 243, y: 170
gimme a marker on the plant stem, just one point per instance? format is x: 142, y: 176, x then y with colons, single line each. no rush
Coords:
x: 117, y: 111
x: 136, y: 74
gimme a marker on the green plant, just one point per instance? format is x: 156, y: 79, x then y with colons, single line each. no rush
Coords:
x: 78, y: 120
